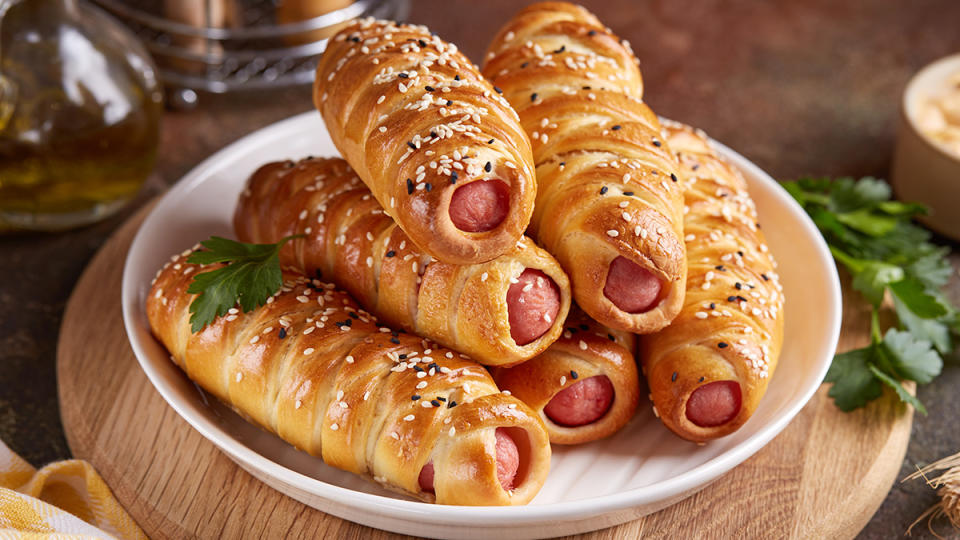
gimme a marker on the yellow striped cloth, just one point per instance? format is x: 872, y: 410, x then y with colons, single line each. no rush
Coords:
x: 65, y: 499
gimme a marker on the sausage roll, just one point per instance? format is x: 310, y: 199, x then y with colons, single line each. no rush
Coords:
x: 585, y: 386
x: 708, y: 370
x: 318, y: 371
x: 500, y: 312
x: 608, y: 198
x: 437, y: 145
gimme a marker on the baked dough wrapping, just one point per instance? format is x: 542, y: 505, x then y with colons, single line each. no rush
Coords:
x: 475, y: 309
x: 318, y: 371
x: 609, y: 203
x: 709, y: 369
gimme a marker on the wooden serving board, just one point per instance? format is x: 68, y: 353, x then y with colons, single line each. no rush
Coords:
x: 823, y: 477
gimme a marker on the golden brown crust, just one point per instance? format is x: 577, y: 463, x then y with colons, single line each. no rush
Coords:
x: 605, y: 176
x: 318, y: 371
x: 404, y: 106
x: 731, y: 324
x: 585, y: 350
x: 350, y: 240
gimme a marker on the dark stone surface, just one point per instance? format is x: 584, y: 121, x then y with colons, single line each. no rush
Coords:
x: 798, y: 86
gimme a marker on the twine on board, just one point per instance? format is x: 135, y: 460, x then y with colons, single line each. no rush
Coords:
x: 948, y: 488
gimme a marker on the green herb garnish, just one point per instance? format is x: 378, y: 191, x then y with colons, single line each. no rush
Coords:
x: 252, y: 274
x: 874, y: 239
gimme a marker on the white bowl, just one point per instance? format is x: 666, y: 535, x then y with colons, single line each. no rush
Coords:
x: 640, y: 470
x: 922, y: 170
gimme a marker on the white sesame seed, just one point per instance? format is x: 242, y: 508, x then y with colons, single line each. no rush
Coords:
x: 349, y: 359
x: 701, y: 315
x: 583, y: 345
x: 563, y: 380
x: 239, y: 376
x: 334, y: 426
x: 409, y: 418
x: 366, y: 395
x: 297, y: 404
x: 421, y: 385
x: 308, y: 350
x: 612, y: 233
x: 254, y: 339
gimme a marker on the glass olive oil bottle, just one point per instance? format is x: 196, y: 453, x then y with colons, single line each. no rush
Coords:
x: 80, y: 108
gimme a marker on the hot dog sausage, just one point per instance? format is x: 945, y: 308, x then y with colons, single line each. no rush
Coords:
x: 480, y: 206
x: 532, y: 305
x: 631, y: 287
x: 581, y: 403
x: 508, y: 463
x: 714, y: 404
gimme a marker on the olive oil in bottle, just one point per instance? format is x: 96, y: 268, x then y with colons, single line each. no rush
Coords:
x: 79, y: 114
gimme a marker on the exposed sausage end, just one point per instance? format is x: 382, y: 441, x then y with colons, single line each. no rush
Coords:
x: 714, y: 404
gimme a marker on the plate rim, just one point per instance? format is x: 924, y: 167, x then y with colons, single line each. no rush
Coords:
x: 664, y: 490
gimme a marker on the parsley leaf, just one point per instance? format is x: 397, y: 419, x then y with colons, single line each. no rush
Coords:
x: 854, y: 384
x: 911, y: 358
x: 887, y: 256
x: 251, y: 275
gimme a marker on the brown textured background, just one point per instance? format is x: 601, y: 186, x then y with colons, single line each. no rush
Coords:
x: 798, y: 86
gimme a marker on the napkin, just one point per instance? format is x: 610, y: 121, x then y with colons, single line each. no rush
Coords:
x: 65, y: 499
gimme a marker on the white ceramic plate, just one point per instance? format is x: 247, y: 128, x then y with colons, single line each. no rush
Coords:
x: 640, y: 470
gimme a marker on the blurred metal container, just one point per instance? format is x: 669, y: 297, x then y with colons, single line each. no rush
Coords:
x: 226, y: 45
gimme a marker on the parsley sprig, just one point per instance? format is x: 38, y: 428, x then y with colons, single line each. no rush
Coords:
x: 873, y: 237
x: 252, y: 274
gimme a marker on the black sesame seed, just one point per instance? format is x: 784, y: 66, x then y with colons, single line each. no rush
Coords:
x: 657, y: 143
x: 701, y: 379
x: 428, y: 186
x: 765, y: 278
x: 722, y: 345
x: 443, y: 399
x: 603, y: 190
x: 673, y: 177
x: 695, y: 167
x: 452, y: 404
x: 560, y: 50
x: 713, y: 305
x: 353, y: 315
x: 418, y: 369
x: 498, y: 90
x: 611, y: 338
x: 488, y: 167
x: 490, y: 141
x: 414, y: 397
x: 456, y: 77
x: 409, y: 186
x: 616, y: 127
x: 449, y: 102
x: 742, y: 299
x: 586, y: 88
x: 391, y: 253
x: 403, y: 75
x: 525, y: 64
x: 731, y: 299
x: 355, y: 39
x: 533, y: 96
x: 432, y: 365
x: 740, y: 253
x: 283, y: 333
x: 584, y: 327
x: 453, y: 177
x: 628, y: 193
x: 673, y: 378
x: 422, y: 42
x: 435, y: 403
x: 574, y: 375
x: 757, y: 225
x: 434, y: 134
x: 738, y: 286
x: 573, y: 330
x: 562, y: 163
x: 428, y: 88
x: 592, y: 33
x: 395, y: 341
x: 720, y: 268
x: 402, y: 356
x: 411, y: 145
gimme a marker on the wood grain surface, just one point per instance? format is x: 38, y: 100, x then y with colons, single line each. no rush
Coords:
x: 823, y: 477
